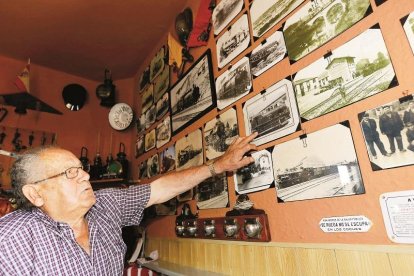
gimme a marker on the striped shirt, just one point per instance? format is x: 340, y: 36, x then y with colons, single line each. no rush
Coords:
x: 31, y: 243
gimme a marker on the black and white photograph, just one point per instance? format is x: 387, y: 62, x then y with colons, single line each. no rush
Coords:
x: 144, y: 80
x: 213, y: 193
x: 234, y: 41
x: 388, y: 131
x: 323, y: 164
x: 150, y: 116
x: 265, y: 14
x: 149, y: 140
x: 139, y: 146
x: 189, y: 151
x: 153, y: 166
x: 268, y: 53
x: 356, y: 70
x: 224, y: 12
x: 140, y: 124
x: 167, y: 157
x: 142, y: 171
x: 163, y: 132
x: 168, y: 208
x: 272, y: 113
x: 257, y: 176
x: 234, y: 83
x: 193, y: 95
x: 161, y: 83
x: 157, y: 64
x: 317, y: 22
x: 162, y: 106
x: 408, y: 25
x: 147, y: 98
x: 219, y: 133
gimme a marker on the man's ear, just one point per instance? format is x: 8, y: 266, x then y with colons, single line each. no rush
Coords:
x: 32, y: 194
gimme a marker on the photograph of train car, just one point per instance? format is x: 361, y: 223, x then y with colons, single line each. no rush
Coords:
x: 163, y: 132
x: 264, y: 14
x: 150, y: 116
x: 324, y: 165
x: 273, y: 113
x: 139, y: 146
x: 267, y: 54
x: 234, y: 41
x: 153, y: 166
x: 193, y: 95
x: 147, y: 98
x: 167, y: 157
x: 162, y: 106
x: 157, y: 63
x: 219, y: 133
x: 168, y: 208
x: 149, y: 140
x: 257, y: 176
x: 351, y: 73
x: 224, y: 12
x: 408, y: 25
x: 212, y: 193
x: 161, y: 83
x: 234, y: 83
x: 189, y: 151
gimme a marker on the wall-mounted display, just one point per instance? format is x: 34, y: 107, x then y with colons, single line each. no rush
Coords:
x: 219, y: 133
x: 317, y: 22
x: 168, y: 208
x: 153, y: 166
x: 149, y: 140
x: 268, y: 53
x: 234, y: 83
x: 389, y: 134
x: 356, y: 70
x: 150, y: 116
x: 162, y: 106
x: 224, y: 12
x: 193, y: 95
x: 147, y: 98
x: 189, y: 151
x: 265, y: 14
x: 163, y: 132
x: 257, y: 176
x: 272, y: 113
x: 167, y: 157
x: 408, y: 25
x: 144, y: 80
x: 234, y: 41
x: 143, y: 171
x: 324, y: 164
x: 213, y: 193
x: 161, y: 83
x: 139, y: 146
x: 157, y: 64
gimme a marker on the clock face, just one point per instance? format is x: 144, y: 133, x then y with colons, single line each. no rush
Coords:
x: 120, y: 116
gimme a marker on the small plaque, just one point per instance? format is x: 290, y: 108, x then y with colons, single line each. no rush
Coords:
x: 347, y: 224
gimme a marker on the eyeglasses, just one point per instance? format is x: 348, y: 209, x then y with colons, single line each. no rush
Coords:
x: 70, y: 173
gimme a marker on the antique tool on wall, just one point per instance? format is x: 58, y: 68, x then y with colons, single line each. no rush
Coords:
x: 84, y: 158
x: 121, y: 158
x: 2, y: 137
x: 31, y: 138
x: 3, y: 113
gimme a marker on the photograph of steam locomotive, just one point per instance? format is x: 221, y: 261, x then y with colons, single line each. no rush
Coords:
x: 147, y: 98
x: 161, y: 83
x: 234, y: 41
x: 267, y: 54
x: 144, y: 80
x: 257, y: 176
x: 167, y: 157
x: 162, y: 106
x: 219, y: 133
x: 324, y: 164
x: 140, y: 124
x: 143, y: 172
x: 193, y: 95
x: 150, y: 116
x: 149, y: 140
x: 212, y: 193
x: 349, y: 74
x: 163, y: 132
x: 153, y: 166
x: 224, y: 12
x: 272, y: 113
x: 189, y: 151
x: 139, y: 146
x: 157, y: 63
x: 408, y: 25
x: 233, y: 83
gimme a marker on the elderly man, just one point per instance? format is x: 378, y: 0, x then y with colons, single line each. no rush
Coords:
x: 64, y: 228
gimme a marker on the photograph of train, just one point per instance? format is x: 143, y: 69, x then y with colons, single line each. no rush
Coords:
x: 257, y: 176
x: 153, y: 166
x: 219, y: 133
x: 150, y: 116
x: 233, y: 83
x: 264, y: 14
x: 162, y: 106
x: 351, y: 73
x: 144, y: 80
x: 267, y: 54
x: 212, y: 193
x: 193, y: 95
x: 139, y: 146
x: 140, y: 124
x: 157, y: 63
x: 273, y: 114
x: 317, y: 22
x: 224, y: 12
x: 408, y: 25
x: 163, y: 132
x: 161, y: 83
x: 189, y: 151
x: 149, y: 140
x: 317, y: 167
x: 143, y: 171
x: 234, y: 41
x: 167, y: 157
x: 147, y: 98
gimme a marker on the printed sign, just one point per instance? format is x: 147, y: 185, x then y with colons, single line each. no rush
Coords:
x: 348, y: 224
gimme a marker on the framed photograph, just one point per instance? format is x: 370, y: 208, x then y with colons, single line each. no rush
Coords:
x: 349, y: 74
x: 168, y: 208
x: 162, y: 106
x: 163, y: 132
x: 162, y: 83
x: 153, y: 166
x: 140, y: 124
x: 257, y: 176
x: 144, y: 80
x: 147, y: 98
x: 234, y: 83
x: 389, y: 134
x: 408, y: 25
x: 149, y: 140
x: 264, y: 14
x: 234, y: 41
x: 307, y: 168
x: 219, y: 133
x: 224, y: 13
x: 213, y: 193
x: 269, y: 53
x: 193, y: 95
x: 167, y: 157
x: 157, y: 64
x: 150, y: 116
x: 186, y: 196
x: 189, y: 151
x: 143, y: 171
x: 139, y: 146
x: 272, y: 113
x: 317, y: 22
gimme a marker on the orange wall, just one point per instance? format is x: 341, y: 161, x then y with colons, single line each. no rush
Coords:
x: 299, y: 221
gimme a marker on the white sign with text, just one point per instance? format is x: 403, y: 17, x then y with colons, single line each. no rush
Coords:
x: 347, y: 224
